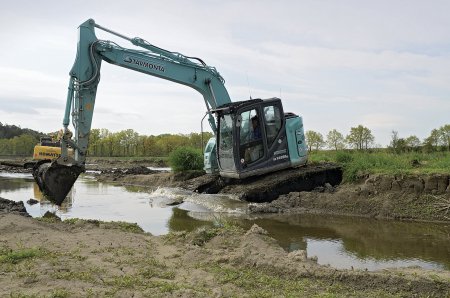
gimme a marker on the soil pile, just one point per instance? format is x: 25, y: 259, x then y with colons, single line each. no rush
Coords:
x: 114, y: 174
x: 7, y: 206
x: 401, y: 197
x: 13, y: 167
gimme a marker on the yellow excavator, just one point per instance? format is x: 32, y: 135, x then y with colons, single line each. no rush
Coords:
x: 48, y: 148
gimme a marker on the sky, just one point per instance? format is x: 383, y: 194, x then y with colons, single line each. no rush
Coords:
x: 383, y: 64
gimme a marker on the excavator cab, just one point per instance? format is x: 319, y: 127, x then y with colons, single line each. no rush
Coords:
x: 256, y: 137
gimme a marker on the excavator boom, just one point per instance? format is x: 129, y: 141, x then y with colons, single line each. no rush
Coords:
x: 56, y: 179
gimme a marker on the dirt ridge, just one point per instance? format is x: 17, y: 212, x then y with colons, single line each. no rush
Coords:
x: 89, y: 258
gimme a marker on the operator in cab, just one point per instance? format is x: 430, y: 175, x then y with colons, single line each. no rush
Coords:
x: 254, y: 152
x: 256, y: 130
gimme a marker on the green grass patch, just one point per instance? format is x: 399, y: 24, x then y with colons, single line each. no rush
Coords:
x: 86, y: 276
x: 123, y: 226
x: 119, y: 225
x: 260, y: 282
x: 357, y: 164
x: 203, y: 234
x: 18, y: 255
x: 56, y: 293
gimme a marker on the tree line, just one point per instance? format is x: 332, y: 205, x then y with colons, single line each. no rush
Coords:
x: 11, y: 131
x: 361, y: 138
x: 103, y: 142
x: 18, y: 145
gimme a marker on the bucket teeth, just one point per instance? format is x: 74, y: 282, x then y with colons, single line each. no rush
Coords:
x: 56, y: 180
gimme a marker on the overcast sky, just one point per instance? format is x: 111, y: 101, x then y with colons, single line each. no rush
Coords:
x: 382, y: 64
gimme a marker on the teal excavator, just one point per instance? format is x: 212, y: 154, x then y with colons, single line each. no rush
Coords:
x: 252, y: 137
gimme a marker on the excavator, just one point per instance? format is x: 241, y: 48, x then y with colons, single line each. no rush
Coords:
x: 251, y: 137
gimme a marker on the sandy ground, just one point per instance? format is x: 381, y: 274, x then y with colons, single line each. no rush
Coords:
x: 50, y: 258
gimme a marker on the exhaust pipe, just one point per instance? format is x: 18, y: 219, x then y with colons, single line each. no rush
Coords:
x: 55, y: 180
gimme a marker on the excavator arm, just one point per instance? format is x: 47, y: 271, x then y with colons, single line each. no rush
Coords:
x: 56, y: 179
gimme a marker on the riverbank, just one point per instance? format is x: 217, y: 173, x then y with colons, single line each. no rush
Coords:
x: 404, y: 197
x: 47, y: 257
x: 424, y: 197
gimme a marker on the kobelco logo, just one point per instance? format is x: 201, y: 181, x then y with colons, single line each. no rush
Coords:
x: 146, y: 64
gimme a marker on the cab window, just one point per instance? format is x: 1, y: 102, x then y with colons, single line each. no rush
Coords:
x: 250, y: 135
x: 273, y: 122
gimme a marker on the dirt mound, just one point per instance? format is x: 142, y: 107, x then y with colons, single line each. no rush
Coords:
x: 98, y: 164
x: 92, y: 258
x: 7, y: 206
x: 115, y: 174
x: 13, y: 167
x: 400, y: 197
x: 252, y: 255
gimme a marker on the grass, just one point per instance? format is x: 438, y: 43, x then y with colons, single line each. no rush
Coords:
x: 119, y: 225
x: 16, y: 256
x: 357, y: 164
x: 56, y: 293
x: 255, y: 282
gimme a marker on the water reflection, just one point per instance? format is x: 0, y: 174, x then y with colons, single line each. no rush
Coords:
x: 342, y: 242
x: 14, y: 182
x: 90, y: 200
x: 181, y: 221
x: 369, y: 243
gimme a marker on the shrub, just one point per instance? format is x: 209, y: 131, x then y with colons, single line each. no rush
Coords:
x: 185, y: 159
x: 343, y: 157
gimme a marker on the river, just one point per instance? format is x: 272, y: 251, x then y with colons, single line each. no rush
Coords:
x: 341, y: 242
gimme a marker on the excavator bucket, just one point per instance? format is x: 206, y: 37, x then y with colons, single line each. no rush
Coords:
x: 55, y: 180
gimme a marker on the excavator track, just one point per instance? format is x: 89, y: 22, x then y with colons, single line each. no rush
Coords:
x: 269, y: 187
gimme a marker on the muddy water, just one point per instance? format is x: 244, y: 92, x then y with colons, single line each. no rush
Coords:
x: 342, y: 242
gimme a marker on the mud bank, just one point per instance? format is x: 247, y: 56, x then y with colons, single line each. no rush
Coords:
x: 411, y: 197
x: 264, y: 188
x: 7, y: 206
x: 303, y: 190
x: 90, y: 258
x: 425, y: 197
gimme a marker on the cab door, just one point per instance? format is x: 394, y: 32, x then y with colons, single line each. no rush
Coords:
x: 251, y: 137
x: 275, y: 137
